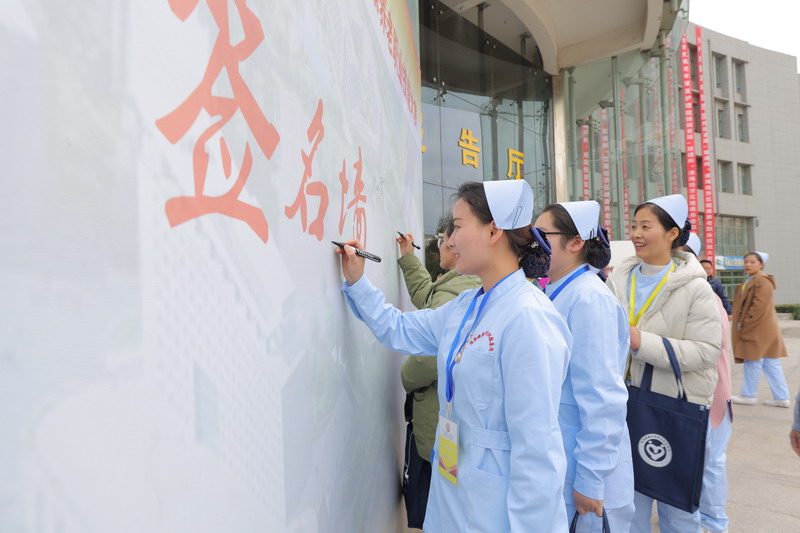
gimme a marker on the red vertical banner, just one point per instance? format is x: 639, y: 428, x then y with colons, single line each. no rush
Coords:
x: 642, y: 155
x: 623, y: 153
x: 691, y: 162
x: 673, y: 127
x: 586, y: 172
x: 605, y: 171
x: 708, y: 189
x: 658, y: 140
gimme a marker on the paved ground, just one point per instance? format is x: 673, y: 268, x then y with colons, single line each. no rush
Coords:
x: 763, y: 471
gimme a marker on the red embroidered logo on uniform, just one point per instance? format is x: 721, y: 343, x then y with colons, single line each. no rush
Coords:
x: 489, y: 339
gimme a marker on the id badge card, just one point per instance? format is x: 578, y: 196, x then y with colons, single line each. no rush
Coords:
x: 448, y: 449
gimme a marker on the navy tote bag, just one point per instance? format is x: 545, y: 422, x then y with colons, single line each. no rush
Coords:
x: 668, y: 441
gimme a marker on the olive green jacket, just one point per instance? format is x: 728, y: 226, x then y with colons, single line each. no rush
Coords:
x: 419, y: 372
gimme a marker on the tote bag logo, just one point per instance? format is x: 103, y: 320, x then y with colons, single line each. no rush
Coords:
x: 655, y: 450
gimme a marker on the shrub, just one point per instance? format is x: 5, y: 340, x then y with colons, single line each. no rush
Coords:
x: 789, y: 308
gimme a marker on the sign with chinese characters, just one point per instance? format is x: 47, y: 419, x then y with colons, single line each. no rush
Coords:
x: 728, y: 262
x: 175, y: 332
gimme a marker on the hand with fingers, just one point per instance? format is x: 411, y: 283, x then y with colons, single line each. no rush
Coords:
x: 584, y: 504
x: 406, y: 246
x: 352, y: 264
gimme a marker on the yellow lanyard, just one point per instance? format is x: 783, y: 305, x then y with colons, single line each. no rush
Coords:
x: 635, y: 320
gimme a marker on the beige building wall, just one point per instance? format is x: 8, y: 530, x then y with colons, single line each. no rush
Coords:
x: 770, y: 100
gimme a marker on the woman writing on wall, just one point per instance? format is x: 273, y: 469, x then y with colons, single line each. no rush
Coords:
x: 502, y: 352
x: 667, y: 295
x: 419, y: 374
x: 593, y: 396
x: 757, y: 339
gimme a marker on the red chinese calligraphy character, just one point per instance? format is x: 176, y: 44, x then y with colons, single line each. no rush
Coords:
x: 359, y: 198
x: 360, y: 214
x: 316, y: 132
x: 174, y: 126
x: 345, y: 187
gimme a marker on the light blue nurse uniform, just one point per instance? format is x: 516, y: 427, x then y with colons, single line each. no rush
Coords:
x: 507, y: 387
x: 594, y: 397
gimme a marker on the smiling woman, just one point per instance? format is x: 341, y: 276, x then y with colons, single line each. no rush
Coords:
x: 667, y: 296
x: 499, y: 456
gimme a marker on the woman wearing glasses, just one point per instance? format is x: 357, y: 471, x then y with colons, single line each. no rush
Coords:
x: 499, y: 458
x: 419, y: 374
x: 667, y: 295
x: 593, y: 396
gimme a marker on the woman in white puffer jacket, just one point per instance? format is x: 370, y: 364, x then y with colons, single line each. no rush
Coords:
x: 672, y: 299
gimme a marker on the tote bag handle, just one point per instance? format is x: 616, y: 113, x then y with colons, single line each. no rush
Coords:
x: 574, y: 525
x: 647, y: 378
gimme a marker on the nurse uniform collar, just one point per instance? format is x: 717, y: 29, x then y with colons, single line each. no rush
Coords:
x: 510, y: 202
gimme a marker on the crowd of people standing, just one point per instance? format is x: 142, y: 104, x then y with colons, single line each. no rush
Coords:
x: 518, y: 395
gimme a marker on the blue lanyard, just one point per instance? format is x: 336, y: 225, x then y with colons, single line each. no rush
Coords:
x: 451, y: 363
x: 569, y: 280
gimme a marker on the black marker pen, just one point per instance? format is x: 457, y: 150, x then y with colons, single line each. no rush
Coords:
x: 412, y: 242
x: 362, y: 253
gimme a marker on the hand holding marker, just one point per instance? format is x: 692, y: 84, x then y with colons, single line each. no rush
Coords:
x: 353, y: 259
x: 404, y: 238
x: 362, y: 253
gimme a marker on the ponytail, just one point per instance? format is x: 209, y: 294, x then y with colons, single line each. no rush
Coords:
x: 596, y: 251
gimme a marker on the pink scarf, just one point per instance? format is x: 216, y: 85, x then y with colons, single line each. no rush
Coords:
x: 722, y: 394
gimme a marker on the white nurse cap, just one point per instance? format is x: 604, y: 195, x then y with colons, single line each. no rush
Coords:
x: 511, y: 203
x: 763, y: 255
x: 694, y: 243
x: 676, y: 207
x: 585, y: 215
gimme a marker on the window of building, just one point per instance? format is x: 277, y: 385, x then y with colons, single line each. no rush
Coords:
x: 741, y: 124
x: 731, y: 242
x: 693, y: 64
x: 699, y: 166
x: 696, y: 114
x: 725, y: 176
x: 722, y: 127
x: 739, y: 79
x: 745, y: 179
x: 720, y: 72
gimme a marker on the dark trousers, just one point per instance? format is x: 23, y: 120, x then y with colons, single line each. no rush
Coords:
x: 416, y: 481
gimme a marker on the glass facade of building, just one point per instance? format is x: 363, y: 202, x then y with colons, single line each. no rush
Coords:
x: 623, y: 129
x: 486, y: 109
x: 734, y: 238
